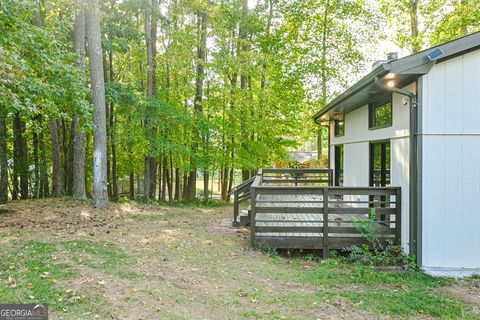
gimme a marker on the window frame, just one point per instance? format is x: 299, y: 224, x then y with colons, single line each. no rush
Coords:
x: 336, y: 126
x: 372, y: 115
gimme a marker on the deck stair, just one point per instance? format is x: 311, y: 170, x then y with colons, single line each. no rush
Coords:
x: 300, y: 209
x: 241, y: 193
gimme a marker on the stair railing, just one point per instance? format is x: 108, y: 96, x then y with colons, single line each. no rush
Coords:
x: 240, y: 193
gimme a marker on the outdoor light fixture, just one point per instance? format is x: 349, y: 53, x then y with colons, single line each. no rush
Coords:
x: 391, y: 84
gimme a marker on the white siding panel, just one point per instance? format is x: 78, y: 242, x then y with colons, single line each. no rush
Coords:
x: 400, y: 178
x: 451, y: 164
x: 435, y: 122
x: 452, y: 112
x: 433, y: 202
x: 471, y: 92
x: 452, y: 202
x: 356, y: 164
x: 470, y: 208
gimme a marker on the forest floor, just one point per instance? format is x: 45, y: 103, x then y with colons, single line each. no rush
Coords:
x: 149, y: 262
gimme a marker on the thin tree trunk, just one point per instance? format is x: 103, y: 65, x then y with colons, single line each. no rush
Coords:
x: 151, y: 36
x: 36, y: 168
x: 114, y: 186
x: 44, y: 185
x: 3, y: 156
x: 177, y: 184
x: 56, y: 160
x: 132, y: 185
x: 414, y: 25
x: 185, y: 187
x: 243, y: 75
x: 100, y: 197
x: 324, y: 75
x: 20, y: 159
x: 197, y: 103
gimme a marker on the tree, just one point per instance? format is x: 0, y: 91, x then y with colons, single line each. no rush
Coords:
x: 3, y: 156
x: 150, y: 163
x: 464, y: 18
x: 100, y: 196
x: 78, y: 169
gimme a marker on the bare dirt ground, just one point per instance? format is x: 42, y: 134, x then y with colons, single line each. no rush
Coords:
x: 172, y: 263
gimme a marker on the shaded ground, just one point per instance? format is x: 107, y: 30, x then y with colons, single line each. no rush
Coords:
x: 148, y: 262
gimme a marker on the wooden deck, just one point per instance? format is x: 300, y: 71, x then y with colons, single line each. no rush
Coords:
x: 300, y: 210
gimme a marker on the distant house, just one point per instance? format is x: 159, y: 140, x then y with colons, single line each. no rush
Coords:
x: 299, y: 159
x: 414, y: 123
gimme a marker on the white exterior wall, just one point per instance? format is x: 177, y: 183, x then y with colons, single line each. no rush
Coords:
x: 356, y: 143
x: 450, y: 123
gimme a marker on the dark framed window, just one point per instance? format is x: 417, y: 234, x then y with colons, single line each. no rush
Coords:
x: 338, y: 165
x: 339, y: 127
x: 380, y: 115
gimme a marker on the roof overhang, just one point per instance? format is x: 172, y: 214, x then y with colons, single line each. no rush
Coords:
x: 398, y: 73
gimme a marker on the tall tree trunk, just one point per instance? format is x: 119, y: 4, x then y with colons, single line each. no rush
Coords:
x: 131, y: 190
x: 177, y: 184
x: 20, y: 160
x: 67, y: 158
x: 100, y: 197
x: 243, y: 76
x: 36, y: 168
x: 151, y: 43
x: 3, y: 156
x: 197, y: 103
x: 185, y: 187
x: 44, y: 185
x: 114, y: 185
x: 414, y: 25
x: 78, y: 188
x: 56, y: 160
x: 324, y: 75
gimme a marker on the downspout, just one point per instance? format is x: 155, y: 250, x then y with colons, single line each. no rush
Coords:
x: 413, y: 167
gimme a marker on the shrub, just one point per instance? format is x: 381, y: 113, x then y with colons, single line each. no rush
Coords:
x: 374, y: 252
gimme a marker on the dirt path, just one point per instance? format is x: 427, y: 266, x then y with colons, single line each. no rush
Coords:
x: 141, y: 262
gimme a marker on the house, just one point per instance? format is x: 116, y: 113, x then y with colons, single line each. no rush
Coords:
x: 299, y: 159
x: 414, y: 123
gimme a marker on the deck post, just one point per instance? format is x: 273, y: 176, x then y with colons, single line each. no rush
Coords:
x: 326, y: 251
x: 253, y: 210
x: 398, y: 216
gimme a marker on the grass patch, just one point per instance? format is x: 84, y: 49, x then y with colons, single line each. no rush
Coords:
x: 101, y: 255
x: 399, y: 293
x: 28, y: 274
x: 30, y: 271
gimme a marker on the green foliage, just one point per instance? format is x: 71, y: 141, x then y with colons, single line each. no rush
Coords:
x: 394, y: 292
x: 374, y: 252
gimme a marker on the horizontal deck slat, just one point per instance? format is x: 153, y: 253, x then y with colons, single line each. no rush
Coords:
x: 300, y: 210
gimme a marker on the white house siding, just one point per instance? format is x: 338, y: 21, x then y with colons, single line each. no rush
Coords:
x: 356, y: 151
x: 451, y: 164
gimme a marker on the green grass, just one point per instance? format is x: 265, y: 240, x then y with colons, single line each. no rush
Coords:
x: 38, y: 272
x: 400, y: 293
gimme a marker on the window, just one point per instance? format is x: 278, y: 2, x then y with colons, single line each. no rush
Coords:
x: 339, y: 127
x: 338, y: 165
x: 380, y: 115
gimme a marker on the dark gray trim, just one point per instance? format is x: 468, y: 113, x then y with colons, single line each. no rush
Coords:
x: 361, y: 84
x: 419, y: 173
x: 412, y: 189
x: 406, y: 70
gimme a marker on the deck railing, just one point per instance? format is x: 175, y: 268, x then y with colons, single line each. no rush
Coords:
x: 240, y: 193
x: 289, y: 210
